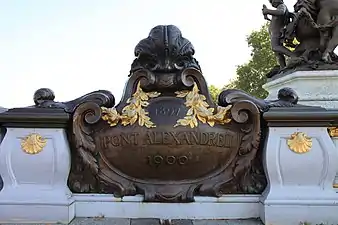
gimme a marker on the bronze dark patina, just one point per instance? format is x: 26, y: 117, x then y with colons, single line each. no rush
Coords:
x: 167, y: 163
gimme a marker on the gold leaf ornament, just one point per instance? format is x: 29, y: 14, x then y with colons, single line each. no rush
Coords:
x: 33, y: 143
x: 199, y: 110
x: 299, y: 143
x: 133, y: 112
x: 111, y: 116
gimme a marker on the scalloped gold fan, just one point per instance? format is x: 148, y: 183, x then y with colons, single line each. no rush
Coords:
x: 33, y: 143
x: 299, y: 143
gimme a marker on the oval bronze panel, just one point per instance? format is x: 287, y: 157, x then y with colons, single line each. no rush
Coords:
x: 165, y: 153
x: 157, y: 154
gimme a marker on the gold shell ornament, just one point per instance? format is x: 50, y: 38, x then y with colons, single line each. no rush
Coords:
x: 333, y: 131
x: 33, y: 143
x: 299, y: 143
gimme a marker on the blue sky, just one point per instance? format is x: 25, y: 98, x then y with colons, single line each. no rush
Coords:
x: 78, y: 46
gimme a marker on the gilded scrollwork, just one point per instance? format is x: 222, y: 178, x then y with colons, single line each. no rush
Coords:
x: 33, y: 143
x: 199, y: 110
x: 132, y: 112
x: 299, y: 143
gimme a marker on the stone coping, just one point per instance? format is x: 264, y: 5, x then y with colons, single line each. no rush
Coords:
x: 34, y: 118
x: 301, y: 117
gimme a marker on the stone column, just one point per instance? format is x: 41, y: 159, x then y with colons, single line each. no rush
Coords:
x: 34, y: 166
x: 300, y: 162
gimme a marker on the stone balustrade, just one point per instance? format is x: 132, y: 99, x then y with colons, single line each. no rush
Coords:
x: 299, y: 161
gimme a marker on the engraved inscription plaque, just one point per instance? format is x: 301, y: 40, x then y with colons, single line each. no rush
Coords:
x: 167, y: 139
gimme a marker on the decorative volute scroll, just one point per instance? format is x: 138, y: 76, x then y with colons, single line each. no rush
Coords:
x: 167, y: 139
x: 287, y: 97
x: 44, y: 98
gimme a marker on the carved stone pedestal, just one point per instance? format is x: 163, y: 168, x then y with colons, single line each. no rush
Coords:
x: 314, y: 88
x: 301, y: 163
x: 34, y: 166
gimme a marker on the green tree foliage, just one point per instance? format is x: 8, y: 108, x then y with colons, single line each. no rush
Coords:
x: 251, y: 75
x: 214, y: 92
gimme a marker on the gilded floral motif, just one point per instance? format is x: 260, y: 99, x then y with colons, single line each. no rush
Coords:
x: 133, y: 112
x: 199, y: 110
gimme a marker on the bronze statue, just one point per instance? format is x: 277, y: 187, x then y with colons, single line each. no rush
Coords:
x: 280, y: 18
x: 328, y: 23
x: 314, y: 25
